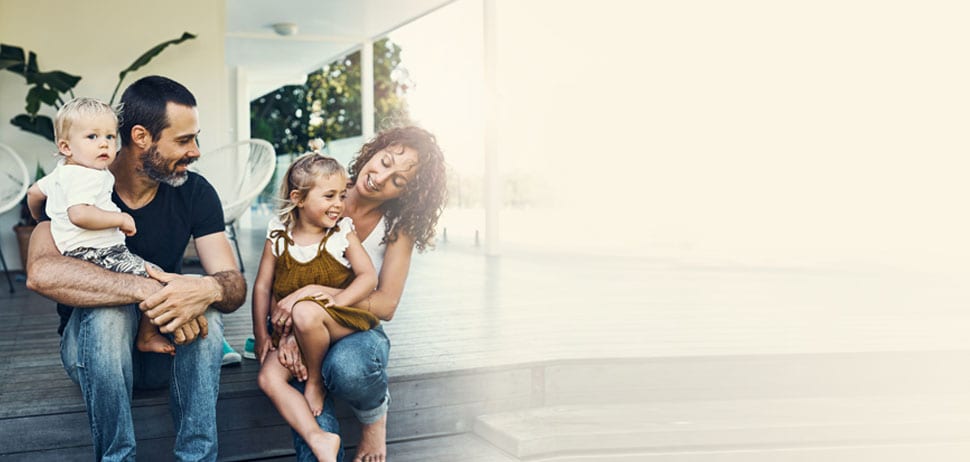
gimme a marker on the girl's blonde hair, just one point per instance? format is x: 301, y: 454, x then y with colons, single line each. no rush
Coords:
x: 301, y: 176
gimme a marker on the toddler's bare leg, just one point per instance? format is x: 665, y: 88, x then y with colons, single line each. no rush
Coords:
x: 150, y: 340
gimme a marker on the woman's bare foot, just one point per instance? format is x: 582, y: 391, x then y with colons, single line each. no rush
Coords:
x: 373, y: 442
x: 324, y: 445
x: 153, y: 342
x: 314, y: 394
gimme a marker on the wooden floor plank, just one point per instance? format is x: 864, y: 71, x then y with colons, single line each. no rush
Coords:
x: 465, y: 312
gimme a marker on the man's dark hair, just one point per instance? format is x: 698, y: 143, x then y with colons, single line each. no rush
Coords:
x: 143, y: 103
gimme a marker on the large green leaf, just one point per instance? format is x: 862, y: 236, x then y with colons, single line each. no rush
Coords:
x: 38, y: 125
x: 60, y: 81
x: 37, y: 95
x: 146, y: 58
x: 31, y: 65
x: 12, y: 58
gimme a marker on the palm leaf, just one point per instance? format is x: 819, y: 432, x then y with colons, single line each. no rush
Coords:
x: 12, y: 58
x: 146, y: 58
x: 38, y: 125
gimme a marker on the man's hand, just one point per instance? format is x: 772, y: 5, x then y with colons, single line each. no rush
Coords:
x: 183, y: 298
x: 188, y: 332
x: 290, y: 358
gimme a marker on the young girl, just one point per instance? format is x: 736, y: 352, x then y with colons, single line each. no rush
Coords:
x: 310, y: 244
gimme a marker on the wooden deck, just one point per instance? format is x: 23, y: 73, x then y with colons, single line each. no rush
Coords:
x: 477, y: 335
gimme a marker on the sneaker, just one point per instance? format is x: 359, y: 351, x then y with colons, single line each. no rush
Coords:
x: 229, y: 356
x: 250, y: 351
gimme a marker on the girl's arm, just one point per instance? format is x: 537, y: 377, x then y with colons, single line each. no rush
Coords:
x: 390, y: 282
x: 366, y: 276
x: 262, y: 299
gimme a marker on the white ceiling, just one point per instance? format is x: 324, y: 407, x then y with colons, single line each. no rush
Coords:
x: 327, y: 29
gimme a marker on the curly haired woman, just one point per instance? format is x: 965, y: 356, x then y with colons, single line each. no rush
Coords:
x: 395, y: 197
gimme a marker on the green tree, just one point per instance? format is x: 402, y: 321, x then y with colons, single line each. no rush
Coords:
x: 333, y: 94
x: 280, y: 117
x: 328, y: 105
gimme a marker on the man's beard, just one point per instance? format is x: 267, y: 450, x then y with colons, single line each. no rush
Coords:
x: 154, y: 166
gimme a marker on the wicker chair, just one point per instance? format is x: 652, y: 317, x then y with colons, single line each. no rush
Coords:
x: 239, y: 172
x: 14, y: 181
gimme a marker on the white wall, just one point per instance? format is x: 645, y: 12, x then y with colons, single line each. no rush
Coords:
x: 81, y: 38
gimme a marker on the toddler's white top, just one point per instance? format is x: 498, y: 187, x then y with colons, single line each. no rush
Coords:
x: 70, y: 185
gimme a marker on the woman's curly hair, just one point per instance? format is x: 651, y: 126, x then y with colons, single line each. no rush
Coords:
x: 416, y: 211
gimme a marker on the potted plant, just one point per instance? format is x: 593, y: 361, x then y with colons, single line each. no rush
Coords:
x: 25, y: 225
x: 53, y: 88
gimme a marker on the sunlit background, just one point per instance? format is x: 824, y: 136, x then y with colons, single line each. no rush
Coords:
x: 789, y: 178
x: 828, y: 134
x: 823, y: 134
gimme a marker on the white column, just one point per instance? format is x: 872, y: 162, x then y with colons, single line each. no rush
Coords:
x: 242, y: 122
x: 367, y: 89
x: 493, y: 183
x: 241, y: 129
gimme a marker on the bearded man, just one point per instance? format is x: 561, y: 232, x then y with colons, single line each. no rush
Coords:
x: 101, y: 309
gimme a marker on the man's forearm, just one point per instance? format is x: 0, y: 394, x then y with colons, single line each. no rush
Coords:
x: 233, y: 287
x: 78, y: 283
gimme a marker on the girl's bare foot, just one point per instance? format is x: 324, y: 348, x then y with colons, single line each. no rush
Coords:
x: 314, y: 394
x: 324, y: 445
x: 373, y: 442
x: 153, y: 342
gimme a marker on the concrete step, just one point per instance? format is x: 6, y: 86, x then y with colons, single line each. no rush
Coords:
x: 935, y: 452
x: 797, y: 429
x: 465, y: 447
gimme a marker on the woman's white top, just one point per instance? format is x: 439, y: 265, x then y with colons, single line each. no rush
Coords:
x: 373, y: 245
x: 70, y: 185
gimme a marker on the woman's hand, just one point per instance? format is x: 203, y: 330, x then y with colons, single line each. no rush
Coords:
x: 290, y: 358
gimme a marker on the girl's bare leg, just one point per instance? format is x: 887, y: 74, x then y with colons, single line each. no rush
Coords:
x: 274, y: 381
x: 315, y: 330
x: 150, y: 340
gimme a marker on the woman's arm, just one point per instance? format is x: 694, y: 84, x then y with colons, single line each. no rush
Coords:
x: 365, y: 279
x: 390, y: 282
x: 262, y: 298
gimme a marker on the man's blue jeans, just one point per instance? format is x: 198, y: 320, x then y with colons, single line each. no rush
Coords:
x: 97, y: 351
x: 354, y: 370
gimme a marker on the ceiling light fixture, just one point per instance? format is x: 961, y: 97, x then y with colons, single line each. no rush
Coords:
x: 286, y: 29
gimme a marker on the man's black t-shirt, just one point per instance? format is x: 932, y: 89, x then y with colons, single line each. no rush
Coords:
x: 166, y: 224
x: 171, y: 218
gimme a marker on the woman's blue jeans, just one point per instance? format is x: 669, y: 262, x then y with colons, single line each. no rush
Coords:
x: 354, y: 370
x: 97, y: 351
